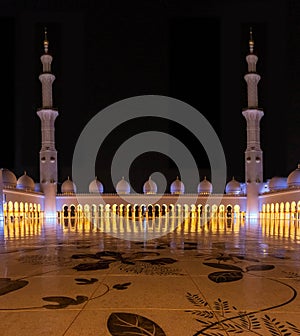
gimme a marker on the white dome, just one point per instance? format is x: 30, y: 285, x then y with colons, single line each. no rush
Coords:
x: 233, y: 187
x: 25, y: 182
x: 68, y: 187
x: 177, y: 187
x: 293, y: 179
x: 37, y: 187
x: 205, y: 187
x: 9, y: 178
x: 277, y: 183
x: 123, y: 187
x: 96, y: 187
x: 150, y: 187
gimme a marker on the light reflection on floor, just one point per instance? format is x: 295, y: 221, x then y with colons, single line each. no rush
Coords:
x: 179, y: 276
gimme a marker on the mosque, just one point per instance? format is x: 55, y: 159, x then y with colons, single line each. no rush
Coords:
x: 22, y: 197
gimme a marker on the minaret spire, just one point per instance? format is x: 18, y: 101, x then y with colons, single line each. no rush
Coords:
x: 251, y: 42
x: 253, y: 114
x: 47, y: 114
x: 46, y: 42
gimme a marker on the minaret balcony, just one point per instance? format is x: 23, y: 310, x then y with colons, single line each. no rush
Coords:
x: 48, y: 108
x: 252, y: 108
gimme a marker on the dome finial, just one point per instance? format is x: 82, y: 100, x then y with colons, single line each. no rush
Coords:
x: 46, y: 42
x: 251, y: 42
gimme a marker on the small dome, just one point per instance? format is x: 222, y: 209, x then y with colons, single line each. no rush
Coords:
x: 123, y: 187
x: 277, y: 183
x: 25, y: 182
x: 177, y: 187
x: 68, y: 187
x: 9, y: 178
x: 37, y: 187
x: 205, y: 187
x: 96, y: 187
x: 244, y: 187
x: 233, y: 187
x: 150, y: 187
x: 293, y: 179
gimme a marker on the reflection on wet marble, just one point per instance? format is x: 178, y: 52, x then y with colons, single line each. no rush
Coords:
x: 195, y: 276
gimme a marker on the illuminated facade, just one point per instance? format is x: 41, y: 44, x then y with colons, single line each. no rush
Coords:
x: 23, y: 198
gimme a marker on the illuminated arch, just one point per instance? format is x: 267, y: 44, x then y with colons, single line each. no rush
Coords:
x: 199, y: 209
x: 64, y: 210
x: 121, y: 209
x: 207, y: 209
x: 193, y: 208
x: 157, y: 210
x: 64, y: 206
x: 143, y: 209
x: 236, y: 209
x: 21, y: 207
x: 221, y: 208
x: 128, y: 210
x: 16, y: 207
x: 150, y: 210
x: 94, y: 210
x: 164, y: 209
x: 72, y: 210
x: 10, y: 206
x: 178, y: 208
x: 287, y: 207
x: 229, y: 209
x: 157, y: 205
x: 293, y: 206
x: 214, y: 209
x: 172, y: 208
x: 281, y: 207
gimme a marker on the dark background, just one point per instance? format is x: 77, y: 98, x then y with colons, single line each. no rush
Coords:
x: 105, y: 51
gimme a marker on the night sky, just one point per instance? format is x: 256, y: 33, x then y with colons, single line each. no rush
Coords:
x: 106, y: 51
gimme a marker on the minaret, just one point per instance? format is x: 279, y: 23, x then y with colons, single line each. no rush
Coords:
x: 1, y: 198
x: 48, y: 153
x: 253, y: 153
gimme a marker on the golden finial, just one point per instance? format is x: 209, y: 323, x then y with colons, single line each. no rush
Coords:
x: 46, y: 42
x: 251, y: 42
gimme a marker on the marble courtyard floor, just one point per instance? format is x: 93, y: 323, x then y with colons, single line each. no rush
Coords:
x: 217, y: 277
